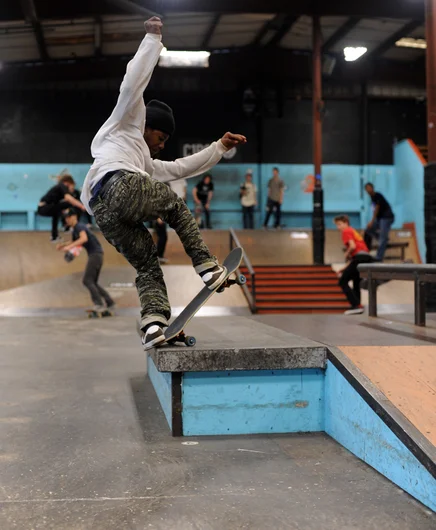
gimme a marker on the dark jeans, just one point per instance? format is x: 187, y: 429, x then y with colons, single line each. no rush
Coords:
x: 206, y: 212
x: 162, y: 238
x: 352, y: 274
x: 379, y: 230
x: 247, y: 216
x: 90, y: 280
x: 271, y: 205
x: 54, y: 211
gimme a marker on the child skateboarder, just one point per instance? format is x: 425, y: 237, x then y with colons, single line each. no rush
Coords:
x: 82, y: 236
x: 125, y: 186
x: 356, y: 252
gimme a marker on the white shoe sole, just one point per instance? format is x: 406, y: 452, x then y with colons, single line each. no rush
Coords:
x: 153, y: 343
x: 354, y: 312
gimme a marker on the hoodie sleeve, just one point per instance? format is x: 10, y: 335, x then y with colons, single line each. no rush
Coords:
x: 189, y: 166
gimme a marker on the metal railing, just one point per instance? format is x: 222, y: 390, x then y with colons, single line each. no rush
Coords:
x: 250, y: 296
x: 421, y: 275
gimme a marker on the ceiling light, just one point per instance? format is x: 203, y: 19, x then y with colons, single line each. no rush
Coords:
x: 352, y: 54
x: 182, y: 59
x: 409, y: 42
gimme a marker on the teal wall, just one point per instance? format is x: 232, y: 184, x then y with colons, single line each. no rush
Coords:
x: 22, y: 185
x: 409, y: 174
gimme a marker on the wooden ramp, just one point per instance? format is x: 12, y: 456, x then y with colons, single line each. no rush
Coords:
x: 28, y: 257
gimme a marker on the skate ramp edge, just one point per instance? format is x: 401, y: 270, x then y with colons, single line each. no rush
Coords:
x: 245, y: 377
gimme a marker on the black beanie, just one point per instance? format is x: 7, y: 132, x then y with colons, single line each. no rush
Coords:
x: 159, y: 116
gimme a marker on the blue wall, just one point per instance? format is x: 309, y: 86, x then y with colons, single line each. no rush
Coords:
x: 352, y: 423
x: 22, y: 185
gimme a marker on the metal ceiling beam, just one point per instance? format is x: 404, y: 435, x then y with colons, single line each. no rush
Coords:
x: 133, y: 7
x: 399, y: 9
x: 370, y: 8
x: 272, y: 24
x: 285, y: 27
x: 29, y: 11
x: 389, y: 42
x: 340, y: 33
x: 210, y: 32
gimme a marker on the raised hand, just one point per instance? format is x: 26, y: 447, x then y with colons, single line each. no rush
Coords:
x: 232, y: 140
x: 153, y: 25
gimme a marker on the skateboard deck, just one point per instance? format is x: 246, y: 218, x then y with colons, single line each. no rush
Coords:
x: 174, y: 332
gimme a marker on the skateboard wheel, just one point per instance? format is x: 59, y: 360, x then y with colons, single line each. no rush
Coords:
x: 242, y: 280
x: 190, y: 341
x: 220, y: 290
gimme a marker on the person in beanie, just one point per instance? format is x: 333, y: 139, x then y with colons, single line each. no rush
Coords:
x: 82, y: 237
x: 125, y: 186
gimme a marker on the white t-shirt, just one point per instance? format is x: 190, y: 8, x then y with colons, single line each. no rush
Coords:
x: 249, y: 197
x: 179, y: 186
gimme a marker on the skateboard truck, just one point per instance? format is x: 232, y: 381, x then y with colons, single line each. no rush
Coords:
x: 240, y: 280
x: 181, y: 337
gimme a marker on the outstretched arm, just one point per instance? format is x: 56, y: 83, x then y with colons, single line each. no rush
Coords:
x: 138, y: 75
x: 193, y: 165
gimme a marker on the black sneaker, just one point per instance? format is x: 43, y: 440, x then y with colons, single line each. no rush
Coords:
x: 214, y: 277
x: 153, y: 336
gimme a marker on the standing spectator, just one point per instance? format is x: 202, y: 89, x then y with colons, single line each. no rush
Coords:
x: 356, y: 252
x: 248, y: 194
x: 276, y: 188
x: 203, y: 193
x: 381, y: 222
x: 58, y: 199
x: 160, y: 227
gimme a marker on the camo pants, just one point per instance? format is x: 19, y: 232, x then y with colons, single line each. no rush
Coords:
x: 121, y: 213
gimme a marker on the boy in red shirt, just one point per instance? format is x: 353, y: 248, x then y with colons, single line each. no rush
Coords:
x: 356, y: 252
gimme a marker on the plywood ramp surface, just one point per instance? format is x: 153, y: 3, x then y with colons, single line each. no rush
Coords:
x: 407, y: 376
x: 29, y: 257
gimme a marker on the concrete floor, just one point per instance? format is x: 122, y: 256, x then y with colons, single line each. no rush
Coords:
x: 84, y: 445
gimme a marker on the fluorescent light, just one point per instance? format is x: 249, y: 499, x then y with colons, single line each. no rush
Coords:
x: 409, y: 42
x: 352, y: 54
x: 174, y: 59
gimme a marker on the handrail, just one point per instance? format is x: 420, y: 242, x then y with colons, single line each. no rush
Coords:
x: 419, y: 274
x: 251, y: 297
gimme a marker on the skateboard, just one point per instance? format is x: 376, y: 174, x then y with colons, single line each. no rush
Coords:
x: 102, y: 314
x: 175, y: 331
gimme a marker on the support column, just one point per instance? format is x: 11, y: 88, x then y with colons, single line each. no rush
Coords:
x: 318, y: 226
x: 430, y: 170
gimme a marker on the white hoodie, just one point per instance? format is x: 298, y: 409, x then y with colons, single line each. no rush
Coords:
x: 120, y: 144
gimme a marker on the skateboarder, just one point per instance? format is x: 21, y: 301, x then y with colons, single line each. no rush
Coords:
x: 356, y: 252
x: 125, y: 186
x: 82, y: 236
x: 58, y: 199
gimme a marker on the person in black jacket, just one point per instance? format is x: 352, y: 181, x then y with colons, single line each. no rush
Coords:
x: 58, y: 199
x: 381, y: 222
x: 203, y: 193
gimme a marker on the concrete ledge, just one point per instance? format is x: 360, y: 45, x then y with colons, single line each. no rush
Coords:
x: 237, y: 343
